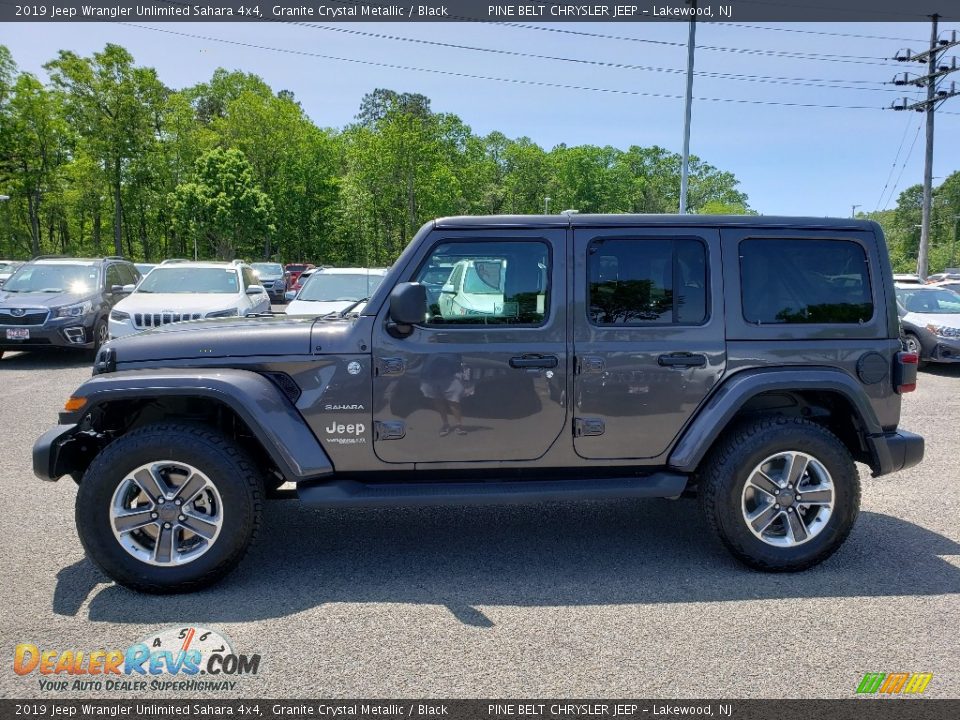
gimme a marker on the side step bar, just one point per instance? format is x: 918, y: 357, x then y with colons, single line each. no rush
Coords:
x: 353, y: 494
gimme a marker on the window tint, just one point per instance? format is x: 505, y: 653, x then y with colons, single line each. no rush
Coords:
x: 249, y: 278
x: 129, y: 275
x: 503, y: 283
x: 635, y: 281
x: 804, y: 281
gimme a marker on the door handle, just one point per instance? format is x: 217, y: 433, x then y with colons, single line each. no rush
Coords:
x: 534, y: 361
x: 682, y: 359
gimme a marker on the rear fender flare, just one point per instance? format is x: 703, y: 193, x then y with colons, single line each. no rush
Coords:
x: 715, y: 415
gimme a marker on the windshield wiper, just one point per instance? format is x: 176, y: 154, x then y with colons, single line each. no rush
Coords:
x: 343, y: 313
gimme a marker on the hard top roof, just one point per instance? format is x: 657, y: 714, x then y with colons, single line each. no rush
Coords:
x: 651, y: 220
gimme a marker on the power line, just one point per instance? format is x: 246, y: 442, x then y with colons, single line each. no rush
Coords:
x: 896, y: 158
x: 820, y: 32
x: 855, y: 59
x: 799, y: 82
x: 906, y: 159
x: 515, y: 81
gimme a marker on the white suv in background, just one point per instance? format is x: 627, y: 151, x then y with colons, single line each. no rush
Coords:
x: 335, y: 289
x: 176, y: 291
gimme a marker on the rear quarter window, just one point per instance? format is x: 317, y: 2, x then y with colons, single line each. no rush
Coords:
x: 795, y: 281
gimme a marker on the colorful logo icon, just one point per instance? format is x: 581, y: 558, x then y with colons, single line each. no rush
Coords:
x: 901, y: 683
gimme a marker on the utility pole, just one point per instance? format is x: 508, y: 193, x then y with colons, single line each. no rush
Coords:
x: 687, y: 110
x: 935, y: 97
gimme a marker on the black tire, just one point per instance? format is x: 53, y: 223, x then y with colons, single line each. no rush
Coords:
x: 100, y: 334
x: 726, y: 470
x: 229, y: 469
x: 912, y: 343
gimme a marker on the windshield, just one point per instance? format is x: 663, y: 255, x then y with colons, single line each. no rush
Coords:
x: 347, y: 287
x: 930, y: 302
x: 190, y: 280
x: 267, y: 269
x: 76, y: 279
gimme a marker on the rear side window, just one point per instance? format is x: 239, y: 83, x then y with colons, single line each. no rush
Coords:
x: 638, y: 281
x: 804, y: 281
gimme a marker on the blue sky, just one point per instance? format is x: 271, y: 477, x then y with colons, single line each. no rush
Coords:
x: 790, y: 160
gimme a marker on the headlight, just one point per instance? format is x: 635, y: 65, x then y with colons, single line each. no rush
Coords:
x: 73, y: 311
x: 944, y: 331
x: 232, y: 312
x: 119, y: 315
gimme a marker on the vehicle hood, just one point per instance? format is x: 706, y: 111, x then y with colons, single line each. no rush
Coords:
x: 176, y: 302
x: 209, y: 342
x: 316, y: 308
x: 48, y: 300
x: 269, y: 277
x: 924, y: 319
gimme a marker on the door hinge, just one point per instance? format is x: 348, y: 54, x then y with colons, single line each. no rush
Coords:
x: 587, y: 427
x: 389, y: 366
x: 589, y: 364
x: 389, y: 430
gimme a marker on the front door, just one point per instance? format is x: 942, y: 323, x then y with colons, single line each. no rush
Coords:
x: 649, y: 343
x: 483, y: 378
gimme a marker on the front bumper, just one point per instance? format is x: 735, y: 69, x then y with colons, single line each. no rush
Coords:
x: 945, y: 351
x: 59, y: 332
x: 54, y: 452
x: 895, y: 451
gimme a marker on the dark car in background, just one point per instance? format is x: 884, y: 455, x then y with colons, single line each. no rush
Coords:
x: 273, y: 277
x: 62, y: 302
x: 930, y: 322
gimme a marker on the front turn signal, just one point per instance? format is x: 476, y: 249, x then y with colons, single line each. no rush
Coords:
x: 74, y: 404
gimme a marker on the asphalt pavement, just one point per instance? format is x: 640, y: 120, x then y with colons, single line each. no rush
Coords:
x: 629, y: 599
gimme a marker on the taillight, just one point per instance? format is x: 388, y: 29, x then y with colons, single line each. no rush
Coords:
x: 905, y: 373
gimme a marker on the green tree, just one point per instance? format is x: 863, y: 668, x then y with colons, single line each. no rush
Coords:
x: 222, y: 206
x: 35, y: 148
x: 115, y: 108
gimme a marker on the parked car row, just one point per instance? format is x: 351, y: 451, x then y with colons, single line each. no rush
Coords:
x: 930, y: 321
x: 82, y: 302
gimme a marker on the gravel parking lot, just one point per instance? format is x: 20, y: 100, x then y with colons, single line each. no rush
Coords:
x: 558, y: 600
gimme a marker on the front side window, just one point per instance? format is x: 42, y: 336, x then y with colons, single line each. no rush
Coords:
x: 487, y: 283
x: 804, y: 281
x: 179, y: 279
x: 113, y: 277
x: 640, y: 281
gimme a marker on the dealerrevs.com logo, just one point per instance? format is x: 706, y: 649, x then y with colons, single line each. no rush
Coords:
x: 900, y: 683
x: 173, y: 659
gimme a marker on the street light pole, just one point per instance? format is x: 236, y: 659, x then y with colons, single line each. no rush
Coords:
x: 546, y: 205
x: 853, y: 210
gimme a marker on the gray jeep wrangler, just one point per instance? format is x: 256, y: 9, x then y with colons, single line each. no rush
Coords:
x: 747, y: 361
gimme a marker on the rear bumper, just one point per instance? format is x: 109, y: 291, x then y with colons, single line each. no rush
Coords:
x: 896, y: 451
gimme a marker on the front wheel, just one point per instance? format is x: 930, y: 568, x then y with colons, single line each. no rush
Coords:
x: 169, y: 508
x: 912, y: 344
x: 780, y: 493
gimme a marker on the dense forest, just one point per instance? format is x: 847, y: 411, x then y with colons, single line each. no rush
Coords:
x: 102, y: 158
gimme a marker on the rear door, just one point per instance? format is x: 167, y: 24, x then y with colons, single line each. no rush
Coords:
x: 648, y: 336
x: 483, y: 378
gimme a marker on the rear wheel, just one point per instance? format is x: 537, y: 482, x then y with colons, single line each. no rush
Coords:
x: 780, y: 493
x: 169, y: 508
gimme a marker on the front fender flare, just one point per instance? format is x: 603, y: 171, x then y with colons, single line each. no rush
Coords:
x: 733, y: 394
x: 274, y: 420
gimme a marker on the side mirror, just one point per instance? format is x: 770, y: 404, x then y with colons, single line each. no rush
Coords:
x: 122, y: 289
x: 408, y: 306
x: 448, y: 288
x: 255, y: 290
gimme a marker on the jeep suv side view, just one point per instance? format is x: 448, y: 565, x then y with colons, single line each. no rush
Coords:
x: 748, y: 361
x: 62, y: 302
